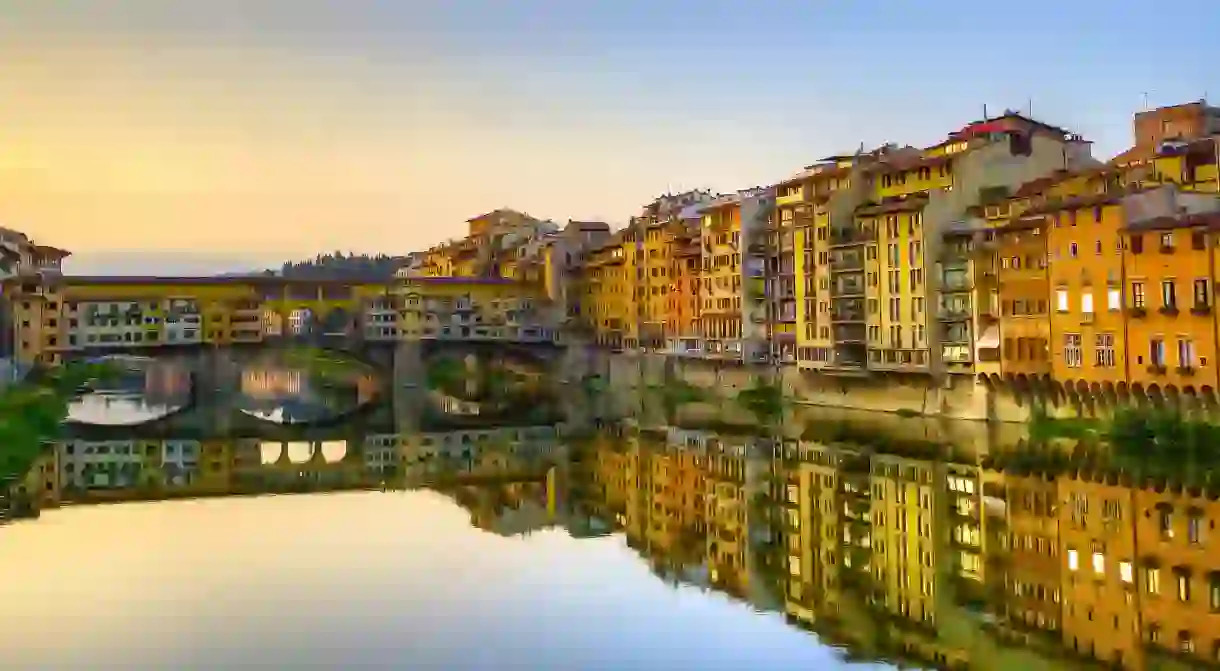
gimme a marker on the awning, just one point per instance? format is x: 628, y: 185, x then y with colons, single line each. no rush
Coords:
x: 989, y: 340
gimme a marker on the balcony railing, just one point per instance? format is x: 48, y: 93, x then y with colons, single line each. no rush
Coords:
x: 956, y: 284
x: 854, y: 262
x: 847, y: 289
x: 953, y: 314
x: 849, y: 237
x: 849, y: 334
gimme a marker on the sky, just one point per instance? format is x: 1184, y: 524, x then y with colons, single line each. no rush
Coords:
x: 186, y: 136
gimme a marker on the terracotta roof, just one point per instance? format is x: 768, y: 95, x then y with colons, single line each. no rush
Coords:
x: 47, y: 250
x: 589, y: 225
x: 1037, y: 186
x: 1209, y: 220
x: 499, y: 210
x: 816, y: 172
x: 1168, y: 148
x: 1023, y: 223
x: 905, y: 204
x: 1077, y: 202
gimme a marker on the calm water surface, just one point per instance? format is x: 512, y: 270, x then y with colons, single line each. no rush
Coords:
x: 473, y: 515
x: 360, y: 580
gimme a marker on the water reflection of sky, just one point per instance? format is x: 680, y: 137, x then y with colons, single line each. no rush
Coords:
x: 118, y: 408
x: 357, y: 581
x: 287, y: 396
x: 300, y: 452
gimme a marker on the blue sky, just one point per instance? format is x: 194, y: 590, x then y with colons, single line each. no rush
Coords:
x: 257, y: 130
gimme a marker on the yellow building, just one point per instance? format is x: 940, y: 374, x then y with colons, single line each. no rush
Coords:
x: 907, y: 499
x: 486, y: 309
x: 810, y: 194
x: 720, y: 312
x: 883, y: 260
x: 607, y: 306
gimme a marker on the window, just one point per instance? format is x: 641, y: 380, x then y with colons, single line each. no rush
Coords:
x: 1169, y: 294
x: 1167, y: 241
x: 1073, y: 250
x: 1071, y: 350
x: 1156, y: 352
x: 1194, y: 529
x: 1061, y: 300
x: 1124, y: 572
x: 1183, y: 586
x: 1152, y: 581
x: 1200, y: 293
x: 1103, y: 353
x: 1186, y: 353
x: 1114, y: 298
x: 1086, y: 302
x: 1137, y: 244
x: 1198, y: 240
x: 1137, y: 294
x: 1073, y: 561
x: 1099, y: 563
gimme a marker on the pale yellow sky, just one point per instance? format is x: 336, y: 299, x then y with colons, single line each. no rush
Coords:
x: 141, y: 140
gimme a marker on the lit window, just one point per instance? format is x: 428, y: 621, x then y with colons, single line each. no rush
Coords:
x: 1073, y: 561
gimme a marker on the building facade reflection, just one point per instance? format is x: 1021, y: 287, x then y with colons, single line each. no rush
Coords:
x: 895, y: 553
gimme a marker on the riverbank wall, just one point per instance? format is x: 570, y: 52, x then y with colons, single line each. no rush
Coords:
x: 955, y: 397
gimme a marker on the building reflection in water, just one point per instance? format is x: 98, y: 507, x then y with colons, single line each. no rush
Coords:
x: 273, y: 383
x: 900, y: 555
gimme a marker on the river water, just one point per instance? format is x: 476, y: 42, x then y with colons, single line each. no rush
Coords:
x: 261, y: 517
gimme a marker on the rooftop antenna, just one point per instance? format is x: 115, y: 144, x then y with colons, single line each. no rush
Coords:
x: 1145, y: 101
x: 1030, y: 107
x: 985, y: 117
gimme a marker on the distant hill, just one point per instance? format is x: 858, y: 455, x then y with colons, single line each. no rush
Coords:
x: 337, y: 266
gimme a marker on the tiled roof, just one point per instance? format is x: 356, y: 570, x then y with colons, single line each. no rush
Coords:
x: 1210, y: 220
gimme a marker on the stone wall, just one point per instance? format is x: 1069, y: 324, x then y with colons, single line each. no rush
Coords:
x: 957, y: 397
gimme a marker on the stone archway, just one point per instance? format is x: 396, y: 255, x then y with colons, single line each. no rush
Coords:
x: 336, y: 322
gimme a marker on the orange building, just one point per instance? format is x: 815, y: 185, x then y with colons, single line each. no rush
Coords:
x: 1187, y: 121
x: 1032, y: 570
x: 1024, y: 290
x: 1085, y: 275
x: 682, y: 320
x: 1097, y: 550
x: 1179, y: 587
x: 1171, y: 329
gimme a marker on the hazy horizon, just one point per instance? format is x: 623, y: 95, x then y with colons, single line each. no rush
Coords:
x: 212, y: 135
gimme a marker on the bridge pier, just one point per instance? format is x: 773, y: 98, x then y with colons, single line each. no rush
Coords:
x: 408, y: 386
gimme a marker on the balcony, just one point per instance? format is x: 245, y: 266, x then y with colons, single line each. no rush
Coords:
x: 955, y: 353
x: 849, y: 334
x: 1185, y: 371
x: 847, y: 263
x: 956, y: 282
x: 1168, y: 310
x: 847, y: 316
x: 1156, y: 369
x: 953, y: 314
x: 1137, y: 312
x: 849, y: 237
x: 791, y: 198
x: 847, y: 288
x: 1201, y: 310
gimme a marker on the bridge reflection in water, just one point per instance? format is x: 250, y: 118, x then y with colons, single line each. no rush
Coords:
x: 896, y: 539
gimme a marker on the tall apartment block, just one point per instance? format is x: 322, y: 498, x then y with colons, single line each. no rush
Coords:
x: 735, y: 322
x: 885, y: 282
x: 652, y: 241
